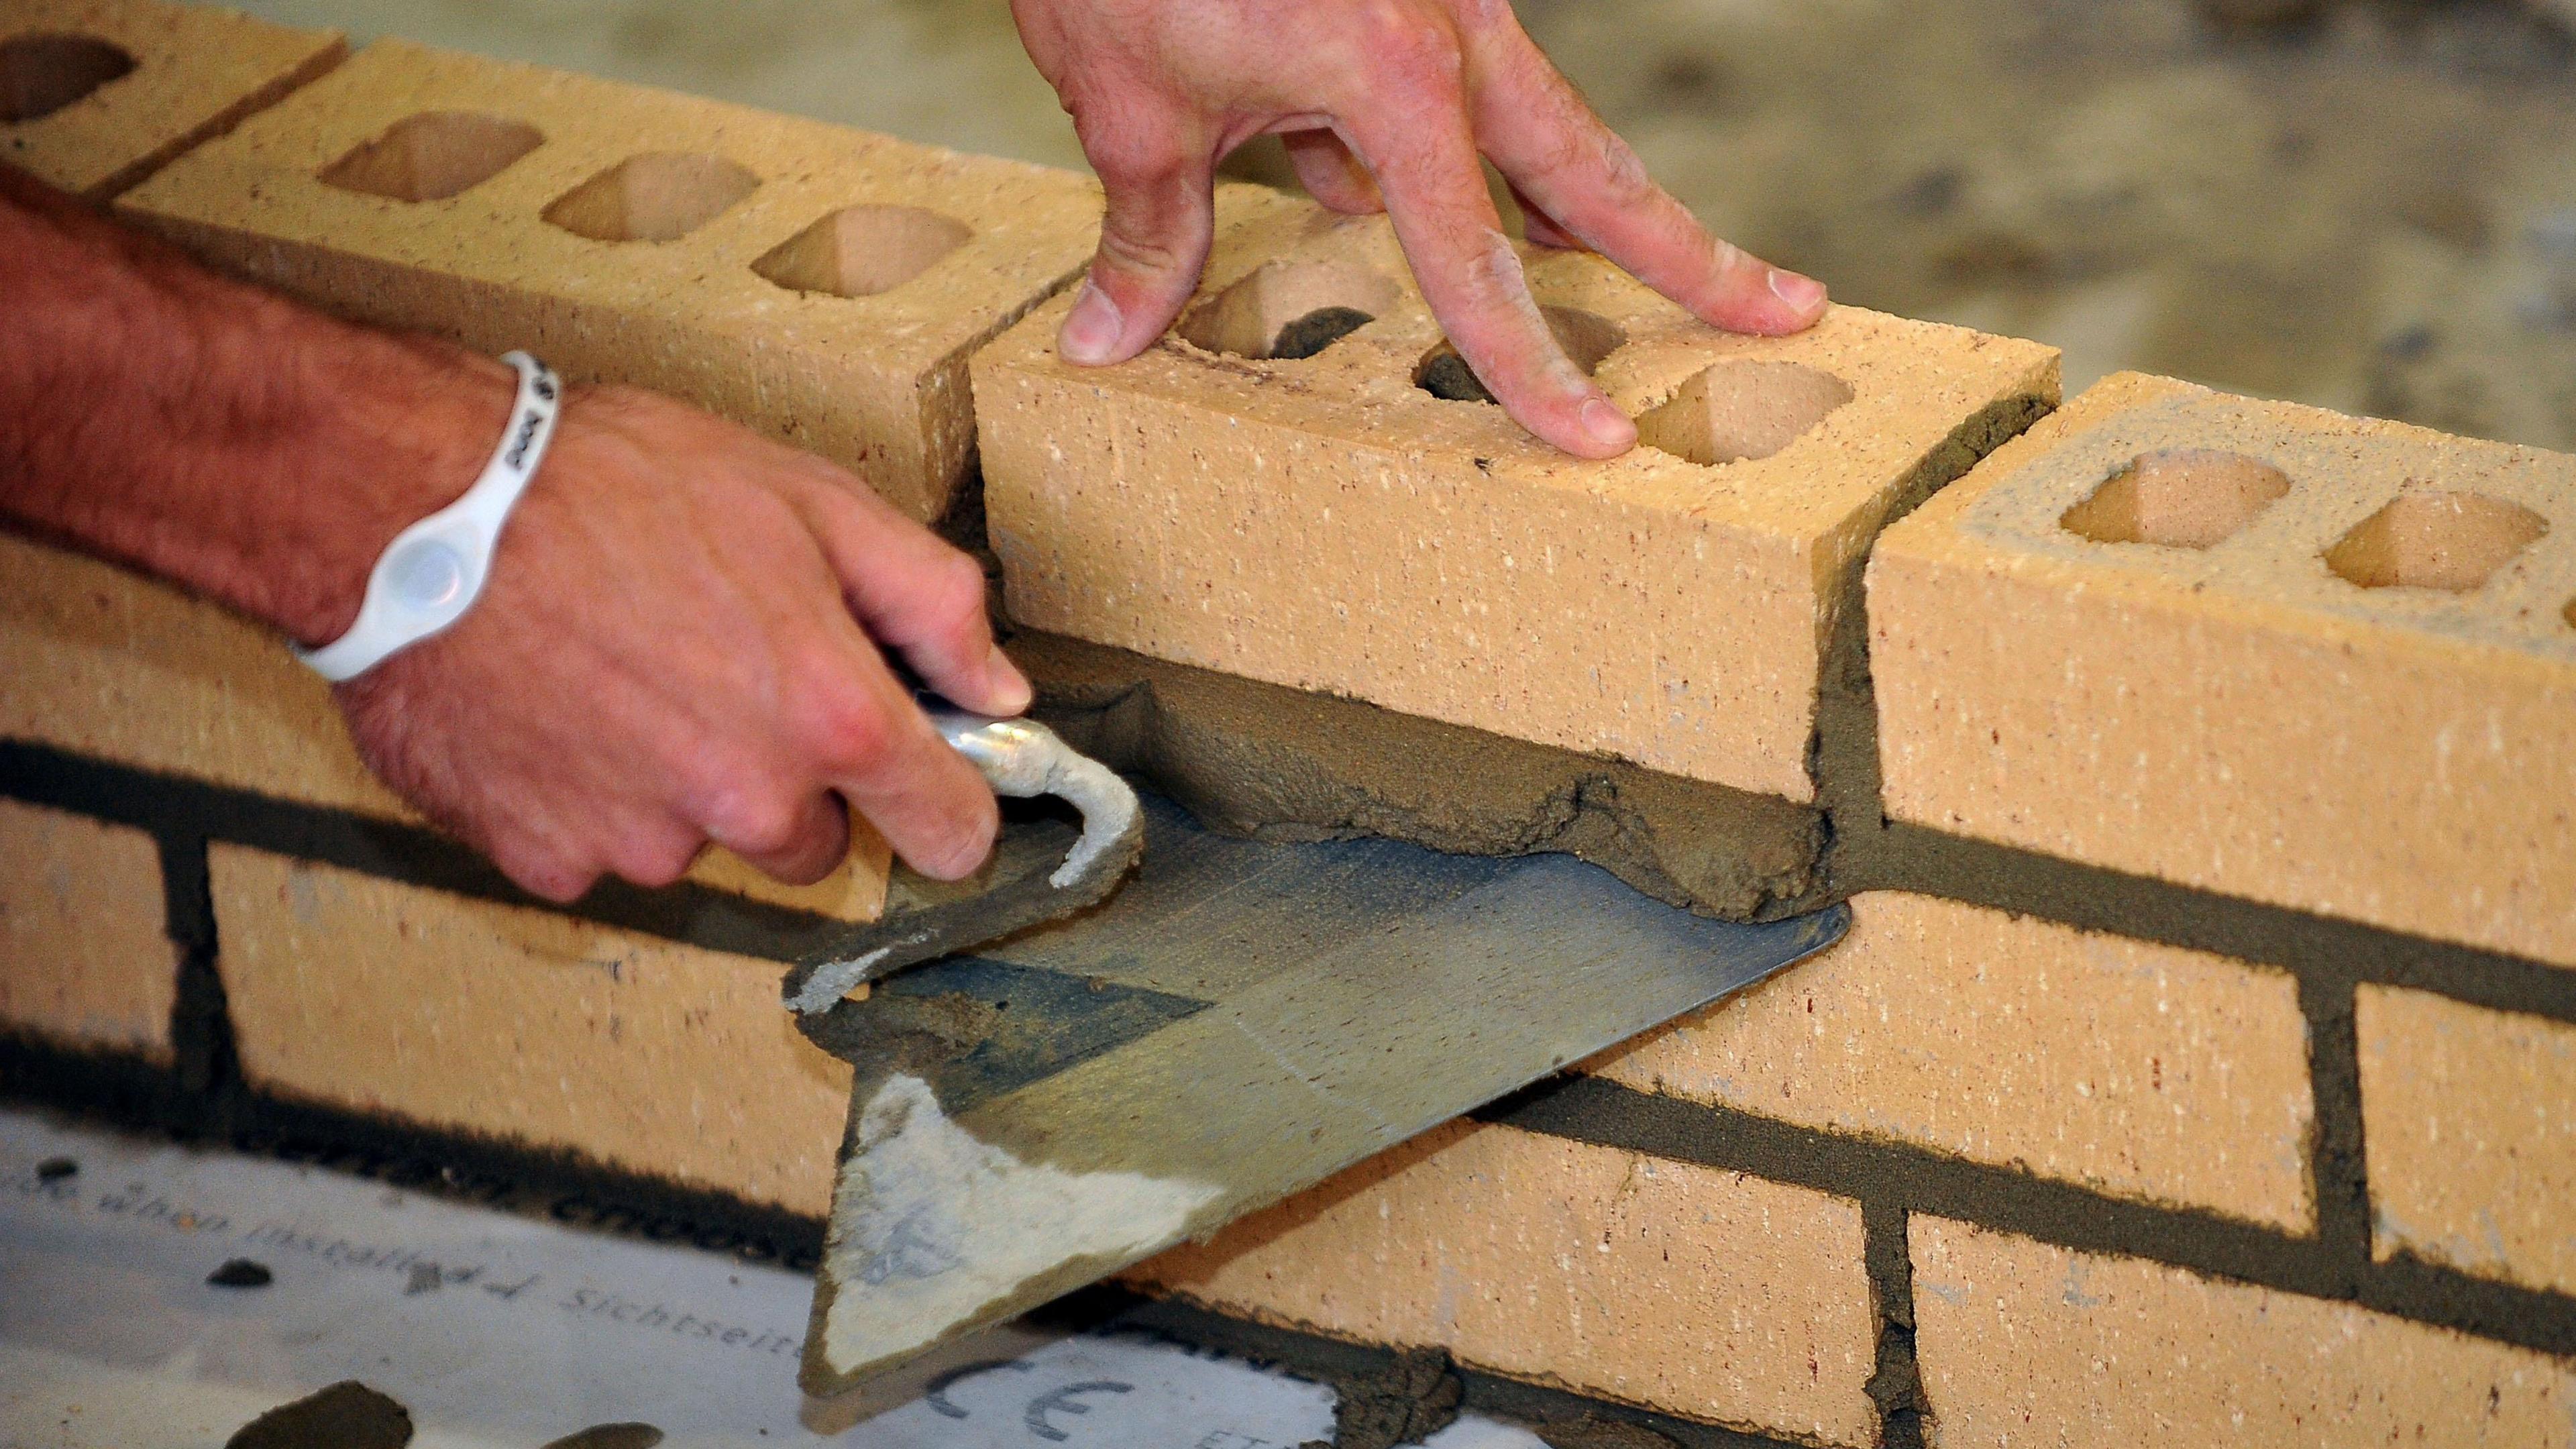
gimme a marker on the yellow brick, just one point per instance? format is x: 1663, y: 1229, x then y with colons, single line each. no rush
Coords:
x: 1704, y: 1293
x: 1323, y: 523
x: 525, y: 1026
x: 2023, y: 1343
x: 633, y: 235
x: 2359, y: 701
x: 97, y: 94
x: 84, y: 958
x: 105, y: 663
x: 2147, y: 1071
x: 2469, y: 1127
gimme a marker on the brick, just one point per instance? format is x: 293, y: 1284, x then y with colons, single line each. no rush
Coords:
x: 95, y: 95
x: 821, y: 284
x: 1324, y: 523
x: 84, y: 959
x: 106, y: 663
x: 2145, y: 1071
x: 1704, y: 1293
x: 520, y: 1025
x: 2026, y: 1343
x: 2469, y: 1129
x: 2360, y: 700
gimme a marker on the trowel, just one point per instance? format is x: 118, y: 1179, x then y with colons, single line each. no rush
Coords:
x: 1055, y: 1078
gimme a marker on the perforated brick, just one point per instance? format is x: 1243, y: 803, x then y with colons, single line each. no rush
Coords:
x: 1709, y: 1294
x: 2469, y: 1126
x: 2023, y: 1342
x: 1325, y: 523
x: 2147, y: 1071
x: 525, y: 1027
x: 821, y: 284
x: 117, y: 667
x: 2312, y: 660
x: 85, y: 962
x: 95, y: 95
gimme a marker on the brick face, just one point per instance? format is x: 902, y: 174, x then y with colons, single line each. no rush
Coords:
x: 1323, y: 523
x: 105, y: 663
x: 526, y: 1026
x: 196, y: 70
x: 821, y: 284
x: 1709, y: 1294
x: 2469, y: 1124
x: 2025, y: 1343
x: 2361, y: 701
x: 2146, y: 1071
x: 84, y: 958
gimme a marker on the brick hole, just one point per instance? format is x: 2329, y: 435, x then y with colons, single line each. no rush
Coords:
x: 2434, y: 539
x: 2178, y: 497
x: 41, y: 74
x: 1736, y: 411
x: 1289, y: 310
x: 657, y: 197
x: 1587, y: 337
x: 861, y: 251
x: 2571, y: 614
x: 433, y: 156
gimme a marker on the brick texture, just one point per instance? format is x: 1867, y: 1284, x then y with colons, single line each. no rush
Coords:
x: 2469, y: 1122
x: 2359, y: 699
x: 1709, y: 1294
x: 525, y: 1026
x: 84, y: 958
x: 822, y: 284
x: 2025, y: 1343
x: 1326, y: 524
x: 95, y: 95
x: 2146, y: 1071
x: 108, y: 664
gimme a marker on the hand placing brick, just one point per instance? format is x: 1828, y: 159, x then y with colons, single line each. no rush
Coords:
x: 95, y: 95
x: 2254, y: 648
x: 1280, y: 491
x: 820, y: 284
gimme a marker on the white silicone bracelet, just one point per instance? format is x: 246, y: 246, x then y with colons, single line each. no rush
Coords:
x: 434, y: 570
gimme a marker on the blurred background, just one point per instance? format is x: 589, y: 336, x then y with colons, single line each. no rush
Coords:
x: 2365, y: 204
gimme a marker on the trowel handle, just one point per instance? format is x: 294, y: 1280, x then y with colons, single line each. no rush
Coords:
x: 1023, y: 759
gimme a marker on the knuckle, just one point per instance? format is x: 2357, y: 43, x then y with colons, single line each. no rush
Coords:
x: 763, y: 820
x: 843, y: 725
x: 1411, y: 47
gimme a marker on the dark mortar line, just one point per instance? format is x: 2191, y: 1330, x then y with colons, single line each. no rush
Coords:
x: 1895, y: 1380
x: 129, y: 1093
x: 2322, y: 948
x: 1331, y: 1360
x: 177, y: 808
x: 1917, y: 1180
x: 2337, y: 1161
x: 201, y: 1028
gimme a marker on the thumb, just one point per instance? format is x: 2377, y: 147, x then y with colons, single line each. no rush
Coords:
x: 1154, y: 238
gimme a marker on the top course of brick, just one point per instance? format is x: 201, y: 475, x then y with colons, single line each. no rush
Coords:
x: 822, y: 284
x: 2265, y: 650
x: 1272, y: 493
x: 97, y: 94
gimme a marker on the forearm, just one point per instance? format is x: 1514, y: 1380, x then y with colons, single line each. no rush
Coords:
x: 256, y: 451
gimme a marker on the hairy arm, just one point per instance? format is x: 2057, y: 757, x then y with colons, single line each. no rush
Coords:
x: 683, y: 638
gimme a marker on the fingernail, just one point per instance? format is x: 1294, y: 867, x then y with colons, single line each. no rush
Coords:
x: 1805, y: 294
x: 1608, y: 426
x: 1011, y: 691
x: 1091, y: 333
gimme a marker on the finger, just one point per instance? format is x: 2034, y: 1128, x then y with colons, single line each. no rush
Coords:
x: 1541, y: 229
x: 1331, y: 174
x: 799, y: 844
x: 915, y: 594
x: 1427, y: 165
x: 1578, y: 173
x: 1154, y: 237
x: 653, y: 852
x: 869, y: 741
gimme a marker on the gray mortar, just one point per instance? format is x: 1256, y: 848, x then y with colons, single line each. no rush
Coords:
x: 1277, y: 764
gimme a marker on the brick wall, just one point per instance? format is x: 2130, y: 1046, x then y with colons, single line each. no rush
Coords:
x: 2198, y: 1068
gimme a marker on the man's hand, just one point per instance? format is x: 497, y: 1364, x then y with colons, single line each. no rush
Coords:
x: 1384, y: 105
x: 680, y: 643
